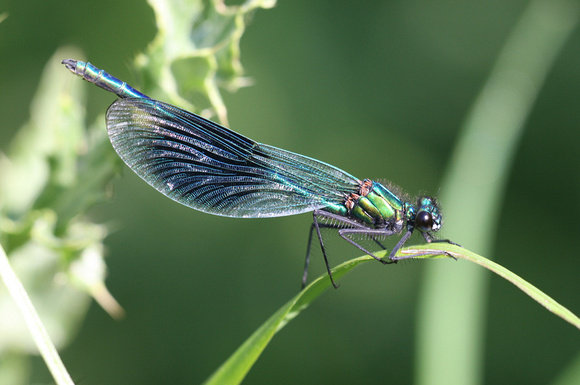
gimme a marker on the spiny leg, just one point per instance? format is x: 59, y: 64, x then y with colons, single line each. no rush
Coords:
x: 345, y: 233
x: 428, y: 238
x: 315, y: 215
x: 398, y: 246
x: 343, y: 222
x: 309, y: 247
x: 307, y: 260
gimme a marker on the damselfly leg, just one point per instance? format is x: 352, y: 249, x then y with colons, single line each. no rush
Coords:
x: 346, y: 228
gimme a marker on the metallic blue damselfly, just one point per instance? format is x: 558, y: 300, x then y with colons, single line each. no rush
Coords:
x: 210, y: 168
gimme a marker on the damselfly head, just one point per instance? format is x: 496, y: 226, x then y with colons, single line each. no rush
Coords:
x: 428, y: 217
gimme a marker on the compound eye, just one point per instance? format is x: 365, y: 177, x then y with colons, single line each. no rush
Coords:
x: 424, y: 221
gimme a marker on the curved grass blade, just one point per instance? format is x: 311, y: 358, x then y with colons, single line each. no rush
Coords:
x: 239, y: 364
x: 461, y: 253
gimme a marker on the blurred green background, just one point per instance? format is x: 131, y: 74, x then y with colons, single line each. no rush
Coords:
x: 379, y: 89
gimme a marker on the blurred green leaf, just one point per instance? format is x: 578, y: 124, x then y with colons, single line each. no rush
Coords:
x: 54, y: 171
x: 473, y: 193
x: 34, y: 325
x: 196, y: 50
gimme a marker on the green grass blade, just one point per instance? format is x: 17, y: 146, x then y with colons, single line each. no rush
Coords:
x: 238, y: 365
x: 461, y: 253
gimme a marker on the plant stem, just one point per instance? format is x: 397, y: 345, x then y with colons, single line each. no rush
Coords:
x: 37, y: 329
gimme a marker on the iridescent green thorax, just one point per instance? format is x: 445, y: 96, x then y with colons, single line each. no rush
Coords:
x: 378, y: 207
x: 374, y: 205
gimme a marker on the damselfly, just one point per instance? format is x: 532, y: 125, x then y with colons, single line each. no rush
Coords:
x: 210, y: 168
